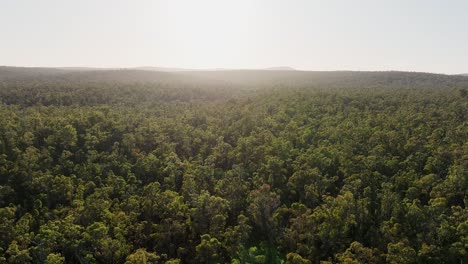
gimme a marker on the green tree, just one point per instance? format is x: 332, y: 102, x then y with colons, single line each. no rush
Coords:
x: 55, y: 258
x: 141, y: 256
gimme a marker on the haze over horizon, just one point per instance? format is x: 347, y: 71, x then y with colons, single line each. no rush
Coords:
x: 422, y: 36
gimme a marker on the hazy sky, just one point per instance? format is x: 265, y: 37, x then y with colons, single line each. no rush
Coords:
x: 413, y: 35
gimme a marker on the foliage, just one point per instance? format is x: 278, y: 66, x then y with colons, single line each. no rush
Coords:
x: 297, y: 168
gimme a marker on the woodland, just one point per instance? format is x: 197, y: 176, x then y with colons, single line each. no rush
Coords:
x: 133, y: 166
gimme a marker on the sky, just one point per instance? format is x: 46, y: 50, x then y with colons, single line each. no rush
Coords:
x: 408, y: 35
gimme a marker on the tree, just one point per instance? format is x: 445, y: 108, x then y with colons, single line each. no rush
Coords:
x: 263, y: 203
x: 55, y: 258
x: 141, y: 256
x: 16, y: 254
x: 293, y: 258
x: 209, y: 250
x: 357, y: 253
x: 400, y: 253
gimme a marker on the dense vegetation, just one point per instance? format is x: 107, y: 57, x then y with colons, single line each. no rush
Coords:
x: 232, y: 167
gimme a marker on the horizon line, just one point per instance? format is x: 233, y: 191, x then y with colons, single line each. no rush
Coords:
x: 182, y: 69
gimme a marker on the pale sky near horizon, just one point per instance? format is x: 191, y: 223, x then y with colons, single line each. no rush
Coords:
x: 409, y: 35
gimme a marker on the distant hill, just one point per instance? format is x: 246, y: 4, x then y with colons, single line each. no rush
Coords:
x: 7, y: 72
x: 281, y: 68
x: 161, y: 69
x: 50, y: 86
x: 273, y: 77
x: 168, y: 69
x: 85, y: 69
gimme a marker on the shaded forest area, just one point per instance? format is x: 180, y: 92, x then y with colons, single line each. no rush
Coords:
x: 126, y: 166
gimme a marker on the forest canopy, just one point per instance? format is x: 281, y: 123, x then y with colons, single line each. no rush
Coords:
x: 131, y: 166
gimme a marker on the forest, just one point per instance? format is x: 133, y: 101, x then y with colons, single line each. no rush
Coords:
x: 292, y: 167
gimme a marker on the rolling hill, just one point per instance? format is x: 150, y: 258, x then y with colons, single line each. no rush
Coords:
x: 252, y: 78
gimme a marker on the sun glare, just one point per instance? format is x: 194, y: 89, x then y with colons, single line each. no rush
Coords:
x: 209, y: 32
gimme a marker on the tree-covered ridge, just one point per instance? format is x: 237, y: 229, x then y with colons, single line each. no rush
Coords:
x: 360, y: 171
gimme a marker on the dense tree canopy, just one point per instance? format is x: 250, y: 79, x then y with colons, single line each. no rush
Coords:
x: 126, y: 167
